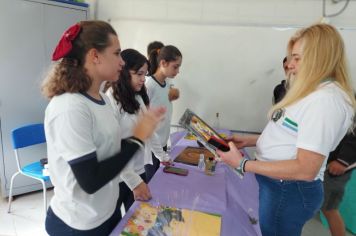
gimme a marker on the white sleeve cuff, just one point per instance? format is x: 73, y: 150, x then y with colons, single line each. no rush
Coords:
x: 131, y: 179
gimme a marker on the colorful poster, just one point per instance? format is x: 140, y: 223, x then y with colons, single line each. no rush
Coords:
x: 148, y: 220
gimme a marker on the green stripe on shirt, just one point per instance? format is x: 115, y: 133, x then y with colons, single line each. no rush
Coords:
x: 291, y: 122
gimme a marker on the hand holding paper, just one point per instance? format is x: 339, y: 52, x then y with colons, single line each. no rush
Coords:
x: 232, y: 157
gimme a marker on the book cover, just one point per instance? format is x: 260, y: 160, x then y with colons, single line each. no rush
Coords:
x: 209, y: 137
x: 148, y: 220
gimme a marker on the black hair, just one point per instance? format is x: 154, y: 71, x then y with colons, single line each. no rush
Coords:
x: 168, y: 53
x: 284, y: 60
x: 123, y: 92
x: 154, y: 46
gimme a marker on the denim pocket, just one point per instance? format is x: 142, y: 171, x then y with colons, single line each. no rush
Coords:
x: 311, y: 194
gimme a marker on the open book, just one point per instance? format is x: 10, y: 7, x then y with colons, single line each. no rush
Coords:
x: 204, y: 133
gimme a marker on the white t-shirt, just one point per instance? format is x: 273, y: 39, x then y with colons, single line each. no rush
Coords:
x: 316, y: 123
x: 77, y: 125
x: 131, y: 174
x: 158, y: 95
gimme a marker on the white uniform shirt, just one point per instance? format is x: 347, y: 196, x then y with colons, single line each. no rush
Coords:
x: 316, y: 123
x: 131, y: 174
x: 77, y: 125
x: 158, y: 95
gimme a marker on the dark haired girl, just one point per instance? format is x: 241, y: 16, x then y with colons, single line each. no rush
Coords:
x: 129, y: 98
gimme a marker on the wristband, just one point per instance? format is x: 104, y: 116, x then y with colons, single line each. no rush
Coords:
x: 243, y: 165
x: 137, y: 141
x: 240, y: 168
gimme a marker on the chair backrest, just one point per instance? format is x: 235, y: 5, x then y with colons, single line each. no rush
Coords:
x: 28, y: 135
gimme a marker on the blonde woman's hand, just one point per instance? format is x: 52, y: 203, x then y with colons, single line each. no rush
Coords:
x: 232, y: 157
x: 147, y: 122
x: 142, y: 192
x: 242, y: 141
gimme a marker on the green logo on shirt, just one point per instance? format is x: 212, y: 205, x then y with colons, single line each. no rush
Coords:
x: 290, y: 124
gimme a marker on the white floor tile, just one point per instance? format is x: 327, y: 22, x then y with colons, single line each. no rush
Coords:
x: 7, y: 226
x: 27, y: 215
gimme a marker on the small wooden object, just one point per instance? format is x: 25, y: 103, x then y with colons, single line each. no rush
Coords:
x: 190, y: 155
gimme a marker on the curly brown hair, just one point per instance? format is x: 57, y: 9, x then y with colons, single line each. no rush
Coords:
x: 69, y: 75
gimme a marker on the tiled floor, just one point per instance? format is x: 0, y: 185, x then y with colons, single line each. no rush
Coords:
x: 27, y: 218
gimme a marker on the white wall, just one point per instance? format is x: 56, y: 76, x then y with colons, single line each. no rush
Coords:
x: 227, y: 12
x: 232, y: 49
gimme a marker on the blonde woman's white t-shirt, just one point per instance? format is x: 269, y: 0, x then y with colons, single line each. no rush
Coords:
x: 316, y: 123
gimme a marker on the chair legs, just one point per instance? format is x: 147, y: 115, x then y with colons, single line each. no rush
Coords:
x: 44, y: 193
x: 44, y: 196
x: 10, y: 194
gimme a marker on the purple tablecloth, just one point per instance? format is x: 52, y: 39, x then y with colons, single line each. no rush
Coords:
x: 224, y: 193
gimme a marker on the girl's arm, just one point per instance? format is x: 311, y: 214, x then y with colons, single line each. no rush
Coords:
x: 157, y: 149
x: 135, y: 183
x: 93, y: 175
x: 130, y: 177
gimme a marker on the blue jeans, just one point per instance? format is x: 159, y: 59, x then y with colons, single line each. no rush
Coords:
x: 285, y: 206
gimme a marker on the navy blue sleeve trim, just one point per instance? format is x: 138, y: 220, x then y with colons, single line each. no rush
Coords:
x: 83, y: 158
x: 92, y: 175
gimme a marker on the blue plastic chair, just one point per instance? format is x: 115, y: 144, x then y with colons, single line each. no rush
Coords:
x: 22, y: 137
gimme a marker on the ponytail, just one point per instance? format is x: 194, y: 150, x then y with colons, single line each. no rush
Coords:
x: 167, y: 53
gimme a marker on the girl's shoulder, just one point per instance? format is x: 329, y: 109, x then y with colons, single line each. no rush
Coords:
x: 141, y: 102
x: 106, y: 96
x: 149, y: 79
x: 66, y: 103
x: 150, y: 83
x: 68, y: 98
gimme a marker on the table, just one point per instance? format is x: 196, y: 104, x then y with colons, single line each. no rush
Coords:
x: 224, y: 193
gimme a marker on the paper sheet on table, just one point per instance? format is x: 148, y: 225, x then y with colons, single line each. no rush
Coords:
x: 148, y: 220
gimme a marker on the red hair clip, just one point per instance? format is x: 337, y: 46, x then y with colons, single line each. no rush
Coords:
x: 64, y: 45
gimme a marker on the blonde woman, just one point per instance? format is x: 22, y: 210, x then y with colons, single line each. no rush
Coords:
x: 303, y: 129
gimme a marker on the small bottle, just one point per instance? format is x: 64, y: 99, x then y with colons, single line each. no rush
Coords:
x: 169, y: 146
x: 217, y: 121
x: 201, y: 164
x: 210, y: 164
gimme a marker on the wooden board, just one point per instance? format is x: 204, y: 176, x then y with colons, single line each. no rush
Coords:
x: 190, y: 155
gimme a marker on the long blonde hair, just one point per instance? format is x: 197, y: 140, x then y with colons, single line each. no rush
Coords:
x: 323, y: 57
